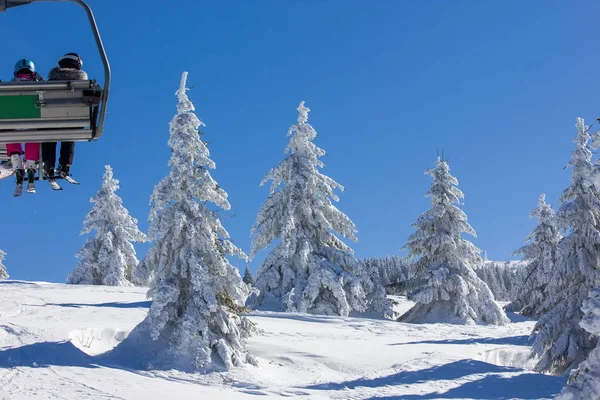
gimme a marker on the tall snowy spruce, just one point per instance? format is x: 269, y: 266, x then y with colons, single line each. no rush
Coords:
x: 540, y: 253
x: 445, y: 285
x: 561, y: 343
x: 194, y: 322
x: 310, y: 270
x: 3, y: 273
x: 109, y: 257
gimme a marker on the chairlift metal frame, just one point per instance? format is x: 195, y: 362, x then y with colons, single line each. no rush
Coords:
x: 54, y: 111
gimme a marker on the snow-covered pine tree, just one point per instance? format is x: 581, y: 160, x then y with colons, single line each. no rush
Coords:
x: 197, y: 294
x: 3, y: 273
x: 248, y: 277
x: 540, y: 253
x: 109, y: 257
x: 561, y: 343
x: 584, y: 382
x: 445, y: 286
x: 310, y: 270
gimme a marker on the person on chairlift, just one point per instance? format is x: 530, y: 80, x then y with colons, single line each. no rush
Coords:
x: 24, y: 71
x: 69, y: 69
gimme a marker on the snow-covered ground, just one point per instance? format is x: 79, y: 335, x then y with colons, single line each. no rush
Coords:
x: 51, y: 336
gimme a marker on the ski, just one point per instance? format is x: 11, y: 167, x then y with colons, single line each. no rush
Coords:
x: 70, y: 179
x: 53, y: 184
x: 18, y: 190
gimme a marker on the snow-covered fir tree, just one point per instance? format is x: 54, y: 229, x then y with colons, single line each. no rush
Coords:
x: 561, y: 343
x: 445, y: 286
x: 248, y: 277
x: 195, y: 318
x: 3, y: 273
x: 310, y: 270
x: 540, y: 253
x: 109, y: 257
x: 584, y: 382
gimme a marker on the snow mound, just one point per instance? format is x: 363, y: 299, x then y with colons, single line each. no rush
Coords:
x: 516, y: 356
x: 94, y: 341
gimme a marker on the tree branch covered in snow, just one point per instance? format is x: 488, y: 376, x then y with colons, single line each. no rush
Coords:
x: 310, y: 269
x: 540, y: 253
x: 109, y: 258
x: 561, y: 343
x: 445, y: 286
x: 3, y: 273
x: 197, y: 293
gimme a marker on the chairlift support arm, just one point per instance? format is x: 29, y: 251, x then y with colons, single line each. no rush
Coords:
x: 4, y: 4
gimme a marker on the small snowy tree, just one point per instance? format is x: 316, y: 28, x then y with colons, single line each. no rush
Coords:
x: 540, y: 253
x: 197, y: 294
x: 3, y: 273
x: 445, y: 286
x: 561, y: 343
x: 248, y: 277
x: 109, y: 257
x: 311, y: 270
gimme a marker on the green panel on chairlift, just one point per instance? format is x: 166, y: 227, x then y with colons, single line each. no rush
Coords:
x: 19, y: 107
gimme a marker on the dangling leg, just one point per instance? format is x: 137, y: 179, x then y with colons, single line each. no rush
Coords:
x: 14, y: 150
x: 49, y: 157
x: 67, y: 152
x: 32, y: 155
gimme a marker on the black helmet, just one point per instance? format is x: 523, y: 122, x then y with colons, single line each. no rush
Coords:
x: 70, y: 60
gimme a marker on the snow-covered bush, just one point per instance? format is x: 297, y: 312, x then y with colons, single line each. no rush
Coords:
x: 540, y: 253
x: 198, y: 295
x: 561, y: 343
x: 310, y: 270
x: 109, y: 257
x: 445, y: 286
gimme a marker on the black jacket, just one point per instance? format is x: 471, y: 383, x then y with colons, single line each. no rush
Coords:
x: 66, y: 74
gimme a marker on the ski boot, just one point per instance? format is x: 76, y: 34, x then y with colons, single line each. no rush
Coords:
x: 63, y: 170
x: 30, y: 165
x: 49, y: 171
x: 17, y: 165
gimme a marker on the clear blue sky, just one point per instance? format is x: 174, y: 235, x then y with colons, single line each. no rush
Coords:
x: 497, y: 85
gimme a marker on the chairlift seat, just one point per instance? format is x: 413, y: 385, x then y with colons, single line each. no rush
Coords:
x: 49, y: 111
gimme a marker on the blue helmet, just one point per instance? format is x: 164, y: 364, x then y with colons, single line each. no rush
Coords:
x: 24, y: 64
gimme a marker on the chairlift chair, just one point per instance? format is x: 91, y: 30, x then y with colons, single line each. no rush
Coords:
x: 53, y: 111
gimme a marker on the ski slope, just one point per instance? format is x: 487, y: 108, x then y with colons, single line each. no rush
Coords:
x: 52, y: 336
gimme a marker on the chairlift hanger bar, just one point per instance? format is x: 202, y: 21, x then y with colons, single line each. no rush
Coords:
x: 4, y: 4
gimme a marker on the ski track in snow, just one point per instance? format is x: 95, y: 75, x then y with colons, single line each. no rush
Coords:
x: 51, y: 334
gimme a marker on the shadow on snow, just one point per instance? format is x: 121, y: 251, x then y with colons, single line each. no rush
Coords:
x: 524, y: 340
x: 451, y: 371
x: 136, y: 304
x: 45, y: 354
x: 527, y: 386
